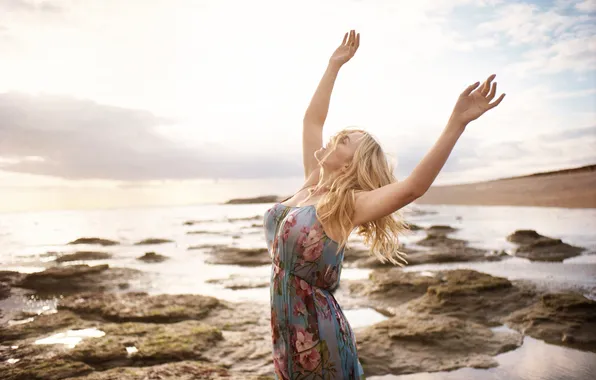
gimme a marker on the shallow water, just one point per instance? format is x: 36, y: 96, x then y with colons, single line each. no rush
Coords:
x: 26, y: 239
x: 534, y: 360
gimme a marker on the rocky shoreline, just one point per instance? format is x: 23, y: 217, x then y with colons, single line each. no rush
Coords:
x: 436, y: 320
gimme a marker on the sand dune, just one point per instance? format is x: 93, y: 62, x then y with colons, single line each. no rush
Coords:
x: 571, y: 188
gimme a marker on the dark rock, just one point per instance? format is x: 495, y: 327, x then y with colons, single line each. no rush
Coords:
x: 249, y: 218
x: 156, y: 343
x: 40, y: 325
x: 153, y: 241
x: 140, y: 307
x: 200, y: 232
x: 428, y: 343
x: 240, y: 256
x: 440, y: 230
x: 74, y: 278
x: 393, y: 285
x: 472, y: 295
x: 262, y: 199
x: 182, y: 370
x: 441, y: 240
x: 208, y: 246
x: 97, y: 241
x: 536, y: 247
x: 43, y: 369
x: 83, y: 255
x: 236, y: 282
x: 567, y: 319
x: 152, y: 257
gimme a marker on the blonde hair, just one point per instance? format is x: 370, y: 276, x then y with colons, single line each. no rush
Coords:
x: 368, y: 170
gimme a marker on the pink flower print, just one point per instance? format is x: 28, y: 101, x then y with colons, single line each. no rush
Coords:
x: 311, y: 242
x: 290, y: 222
x: 310, y: 359
x: 302, y: 288
x: 313, y: 252
x: 304, y: 340
x: 322, y: 304
x: 299, y: 309
x: 280, y: 362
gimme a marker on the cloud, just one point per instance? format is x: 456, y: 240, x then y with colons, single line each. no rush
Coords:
x: 29, y: 6
x: 554, y: 40
x: 79, y: 139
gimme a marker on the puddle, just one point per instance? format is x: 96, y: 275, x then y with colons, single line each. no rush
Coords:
x: 72, y: 337
x: 363, y: 317
x: 534, y: 360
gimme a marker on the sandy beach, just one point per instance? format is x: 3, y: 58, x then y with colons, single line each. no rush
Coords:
x: 571, y: 188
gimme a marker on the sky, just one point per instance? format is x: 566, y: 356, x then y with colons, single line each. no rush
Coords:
x: 105, y: 103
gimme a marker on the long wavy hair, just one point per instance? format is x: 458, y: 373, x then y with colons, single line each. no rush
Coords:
x: 368, y: 170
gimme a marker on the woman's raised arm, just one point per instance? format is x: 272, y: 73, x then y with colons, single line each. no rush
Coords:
x: 316, y: 113
x: 471, y: 104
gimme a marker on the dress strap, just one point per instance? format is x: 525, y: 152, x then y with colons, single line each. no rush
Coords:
x: 302, y: 188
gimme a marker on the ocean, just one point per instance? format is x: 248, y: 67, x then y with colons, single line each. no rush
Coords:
x: 30, y: 241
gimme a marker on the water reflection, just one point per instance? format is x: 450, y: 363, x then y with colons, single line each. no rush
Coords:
x: 534, y: 360
x: 72, y: 337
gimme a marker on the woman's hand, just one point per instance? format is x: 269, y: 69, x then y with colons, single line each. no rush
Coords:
x: 347, y: 49
x: 474, y: 101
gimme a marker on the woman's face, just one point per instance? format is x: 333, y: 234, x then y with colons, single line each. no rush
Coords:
x: 335, y: 156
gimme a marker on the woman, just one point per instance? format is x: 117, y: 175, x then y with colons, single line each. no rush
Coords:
x: 348, y: 185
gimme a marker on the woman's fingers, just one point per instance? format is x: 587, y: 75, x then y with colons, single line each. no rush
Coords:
x: 486, y: 86
x: 496, y: 102
x: 357, y: 41
x: 493, y: 91
x: 345, y: 39
x: 470, y: 88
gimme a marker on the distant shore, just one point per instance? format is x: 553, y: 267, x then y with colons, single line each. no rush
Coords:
x: 568, y: 188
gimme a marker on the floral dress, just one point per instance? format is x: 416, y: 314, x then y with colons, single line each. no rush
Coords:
x: 311, y: 336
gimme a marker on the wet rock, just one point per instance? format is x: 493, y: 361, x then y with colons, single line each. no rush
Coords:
x: 200, y: 232
x: 450, y: 255
x: 262, y: 199
x: 208, y: 246
x: 428, y: 343
x: 97, y: 241
x: 43, y: 369
x: 393, y: 286
x: 414, y: 227
x: 140, y: 307
x: 536, y: 247
x: 567, y: 319
x: 153, y: 241
x: 256, y: 225
x: 183, y: 370
x: 472, y: 295
x: 7, y: 280
x: 152, y: 257
x: 441, y: 240
x: 240, y: 256
x: 4, y: 290
x: 74, y: 278
x: 155, y: 343
x: 83, y: 255
x: 40, y: 325
x: 249, y: 218
x: 236, y: 282
x: 440, y: 230
x: 360, y: 257
x: 10, y: 277
x: 192, y: 222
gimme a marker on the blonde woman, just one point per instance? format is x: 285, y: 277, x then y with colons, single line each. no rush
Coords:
x: 348, y: 186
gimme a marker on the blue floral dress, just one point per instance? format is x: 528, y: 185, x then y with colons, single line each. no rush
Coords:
x: 311, y: 336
